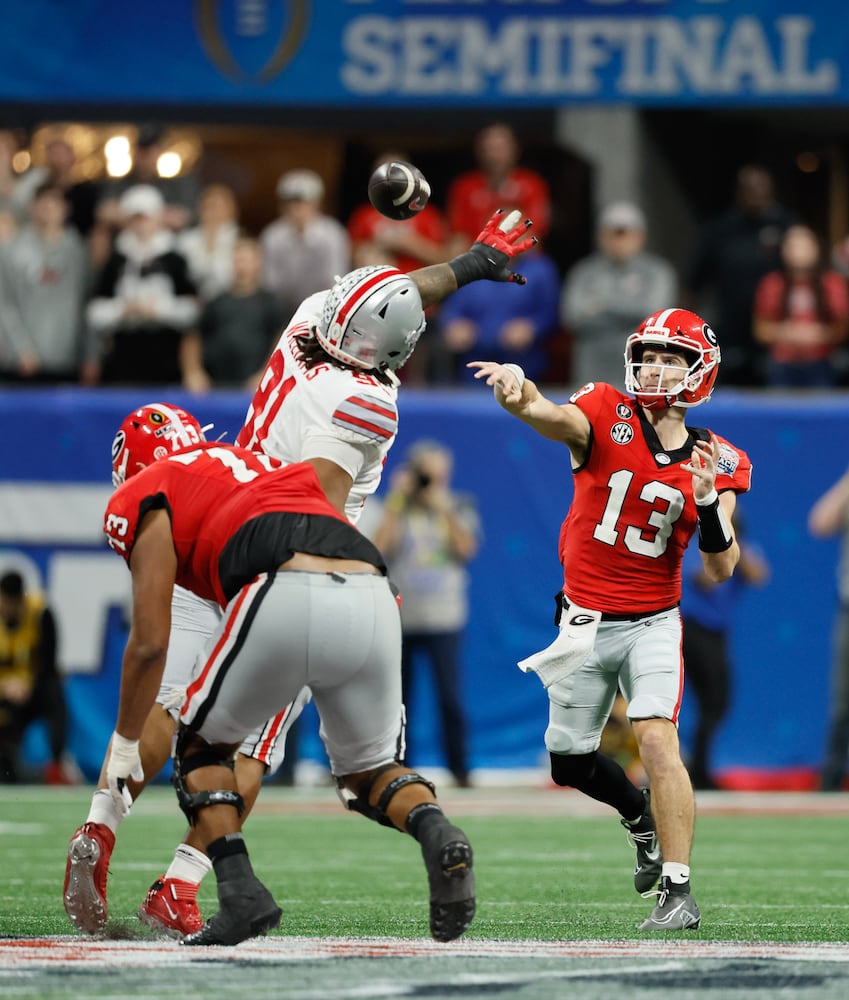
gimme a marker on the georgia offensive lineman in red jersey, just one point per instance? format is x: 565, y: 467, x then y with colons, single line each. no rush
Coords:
x: 644, y: 482
x: 306, y: 603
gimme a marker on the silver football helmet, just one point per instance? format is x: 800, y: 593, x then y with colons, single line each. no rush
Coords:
x: 372, y: 318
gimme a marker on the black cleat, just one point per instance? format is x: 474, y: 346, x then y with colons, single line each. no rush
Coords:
x: 247, y: 907
x: 448, y: 859
x: 643, y: 838
x: 241, y: 918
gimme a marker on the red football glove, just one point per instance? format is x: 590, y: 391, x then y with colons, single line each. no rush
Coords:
x: 500, y: 240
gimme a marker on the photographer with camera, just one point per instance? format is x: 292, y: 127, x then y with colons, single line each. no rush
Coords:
x: 427, y: 535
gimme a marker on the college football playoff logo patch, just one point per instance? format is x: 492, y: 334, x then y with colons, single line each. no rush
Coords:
x: 728, y: 460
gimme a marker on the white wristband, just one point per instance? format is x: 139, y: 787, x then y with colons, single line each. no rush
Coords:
x: 712, y: 497
x: 124, y: 750
x: 122, y: 744
x: 517, y: 373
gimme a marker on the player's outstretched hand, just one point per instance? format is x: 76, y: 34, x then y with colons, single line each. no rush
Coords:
x: 124, y: 762
x: 704, y: 459
x: 504, y: 380
x: 505, y: 235
x: 501, y: 239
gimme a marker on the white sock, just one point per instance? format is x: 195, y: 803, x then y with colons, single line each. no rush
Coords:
x: 103, y: 810
x: 677, y: 874
x: 189, y: 864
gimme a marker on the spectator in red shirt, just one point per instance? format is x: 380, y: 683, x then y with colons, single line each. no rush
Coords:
x: 407, y: 245
x: 498, y: 182
x: 801, y: 315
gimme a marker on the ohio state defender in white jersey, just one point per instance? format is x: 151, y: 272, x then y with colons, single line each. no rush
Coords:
x: 644, y: 482
x: 342, y: 415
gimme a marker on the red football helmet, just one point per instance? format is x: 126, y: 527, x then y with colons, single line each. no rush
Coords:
x: 149, y: 433
x: 681, y: 331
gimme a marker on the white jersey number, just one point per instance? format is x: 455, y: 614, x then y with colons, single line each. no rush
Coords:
x: 238, y: 466
x: 661, y: 520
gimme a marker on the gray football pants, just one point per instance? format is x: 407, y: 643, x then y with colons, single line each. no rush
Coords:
x: 338, y: 634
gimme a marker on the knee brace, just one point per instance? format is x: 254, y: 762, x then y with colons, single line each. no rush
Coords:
x: 188, y: 758
x: 361, y: 800
x: 573, y: 770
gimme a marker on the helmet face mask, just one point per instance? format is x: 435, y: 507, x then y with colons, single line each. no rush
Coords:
x: 149, y: 433
x: 372, y: 319
x: 678, y: 332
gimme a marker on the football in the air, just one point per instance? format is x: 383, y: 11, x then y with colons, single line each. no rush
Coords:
x: 398, y: 190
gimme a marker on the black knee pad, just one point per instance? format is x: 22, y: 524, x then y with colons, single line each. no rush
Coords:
x: 191, y: 753
x: 361, y: 801
x: 573, y: 770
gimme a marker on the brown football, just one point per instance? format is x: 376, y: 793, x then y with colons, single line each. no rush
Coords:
x: 398, y: 190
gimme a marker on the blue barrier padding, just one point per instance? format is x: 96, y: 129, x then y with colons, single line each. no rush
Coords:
x: 799, y: 444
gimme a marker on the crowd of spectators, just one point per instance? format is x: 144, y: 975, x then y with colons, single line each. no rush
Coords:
x: 150, y: 279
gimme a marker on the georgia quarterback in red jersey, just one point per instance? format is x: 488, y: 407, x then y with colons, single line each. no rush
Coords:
x: 634, y: 509
x: 644, y: 483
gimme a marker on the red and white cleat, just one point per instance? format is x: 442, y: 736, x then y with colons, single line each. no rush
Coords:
x: 171, y: 908
x: 84, y: 892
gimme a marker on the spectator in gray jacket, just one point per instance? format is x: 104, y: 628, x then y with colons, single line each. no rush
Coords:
x: 44, y: 283
x: 608, y: 294
x: 304, y: 249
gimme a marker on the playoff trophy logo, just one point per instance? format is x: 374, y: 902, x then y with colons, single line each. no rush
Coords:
x: 223, y: 24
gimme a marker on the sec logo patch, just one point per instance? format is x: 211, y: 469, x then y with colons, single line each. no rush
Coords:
x: 621, y: 433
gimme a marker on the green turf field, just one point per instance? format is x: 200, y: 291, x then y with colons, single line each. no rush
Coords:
x: 557, y: 912
x: 756, y: 877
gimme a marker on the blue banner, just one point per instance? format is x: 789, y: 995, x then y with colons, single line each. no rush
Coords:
x: 426, y: 53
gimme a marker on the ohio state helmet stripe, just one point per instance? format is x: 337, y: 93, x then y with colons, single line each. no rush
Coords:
x: 358, y: 294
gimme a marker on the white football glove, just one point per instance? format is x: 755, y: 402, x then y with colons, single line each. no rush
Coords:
x: 124, y: 762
